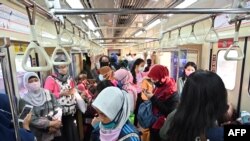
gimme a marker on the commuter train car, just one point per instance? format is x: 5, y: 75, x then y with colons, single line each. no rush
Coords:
x: 212, y: 33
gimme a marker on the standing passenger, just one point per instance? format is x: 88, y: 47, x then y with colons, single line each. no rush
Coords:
x: 106, y: 73
x: 124, y: 78
x: 113, y: 111
x: 138, y: 74
x: 203, y: 102
x: 164, y: 97
x: 189, y: 68
x: 62, y: 86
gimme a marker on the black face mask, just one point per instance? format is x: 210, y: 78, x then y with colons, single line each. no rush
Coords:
x: 158, y: 84
x: 102, y: 64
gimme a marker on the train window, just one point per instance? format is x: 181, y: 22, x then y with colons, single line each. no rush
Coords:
x: 20, y: 73
x: 227, y: 69
x: 2, y: 88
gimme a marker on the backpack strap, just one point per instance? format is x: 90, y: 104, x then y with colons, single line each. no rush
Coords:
x: 128, y: 136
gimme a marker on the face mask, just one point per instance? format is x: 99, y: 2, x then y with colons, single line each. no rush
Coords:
x: 102, y: 64
x: 34, y: 86
x: 109, y: 135
x: 188, y: 73
x: 158, y: 84
x: 101, y: 78
x: 110, y: 125
x: 141, y: 69
x: 63, y: 71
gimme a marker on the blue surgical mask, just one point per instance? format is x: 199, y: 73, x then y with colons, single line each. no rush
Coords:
x: 109, y: 125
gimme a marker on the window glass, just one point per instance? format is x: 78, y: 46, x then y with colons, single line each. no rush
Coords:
x: 227, y: 69
x: 20, y: 73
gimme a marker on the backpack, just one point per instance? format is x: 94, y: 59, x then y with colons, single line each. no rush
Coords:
x: 145, y: 116
x: 68, y: 103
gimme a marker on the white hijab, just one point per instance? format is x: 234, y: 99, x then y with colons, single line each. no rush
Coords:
x: 112, y: 101
x: 37, y: 98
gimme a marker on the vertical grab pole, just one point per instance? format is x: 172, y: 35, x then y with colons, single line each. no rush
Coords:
x: 7, y: 81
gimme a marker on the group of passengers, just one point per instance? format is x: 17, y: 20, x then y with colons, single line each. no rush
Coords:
x: 129, y: 103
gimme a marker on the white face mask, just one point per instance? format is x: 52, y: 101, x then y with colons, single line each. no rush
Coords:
x: 34, y: 86
x: 101, y: 78
x: 141, y: 69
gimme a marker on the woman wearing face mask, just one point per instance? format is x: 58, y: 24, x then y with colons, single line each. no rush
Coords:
x: 138, y: 74
x: 164, y: 97
x: 125, y: 79
x: 106, y: 73
x: 113, y: 111
x: 62, y: 86
x: 46, y: 114
x: 189, y: 68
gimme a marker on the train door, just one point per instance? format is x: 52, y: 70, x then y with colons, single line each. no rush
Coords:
x: 76, y: 64
x: 245, y: 93
x: 176, y: 58
x: 229, y: 71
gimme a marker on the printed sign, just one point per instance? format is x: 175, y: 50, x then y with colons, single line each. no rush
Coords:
x: 13, y: 20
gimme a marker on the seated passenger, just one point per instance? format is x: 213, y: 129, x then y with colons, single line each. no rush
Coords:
x: 46, y: 114
x: 7, y: 131
x: 112, y: 123
x: 164, y: 97
x: 203, y: 101
x: 106, y: 73
x: 189, y: 68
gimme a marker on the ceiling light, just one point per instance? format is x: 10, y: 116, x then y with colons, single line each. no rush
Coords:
x: 48, y: 35
x: 97, y: 34
x: 74, y: 3
x: 186, y: 3
x: 90, y: 24
x: 153, y: 24
x: 138, y: 33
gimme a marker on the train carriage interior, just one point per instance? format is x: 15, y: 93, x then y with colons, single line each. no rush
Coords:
x: 214, y: 34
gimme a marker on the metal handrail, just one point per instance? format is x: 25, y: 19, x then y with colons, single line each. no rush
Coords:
x: 34, y: 46
x: 8, y: 86
x: 212, y: 30
x: 61, y: 43
x: 235, y: 45
x: 79, y: 11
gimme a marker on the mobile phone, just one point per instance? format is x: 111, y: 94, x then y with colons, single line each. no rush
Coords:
x: 26, y: 110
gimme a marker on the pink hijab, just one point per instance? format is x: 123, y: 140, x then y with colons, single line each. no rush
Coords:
x: 125, y: 77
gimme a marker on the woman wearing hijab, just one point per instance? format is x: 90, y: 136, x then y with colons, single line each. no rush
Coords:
x: 164, y: 97
x: 46, y: 114
x: 125, y: 80
x: 113, y: 111
x: 62, y: 86
x: 7, y: 132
